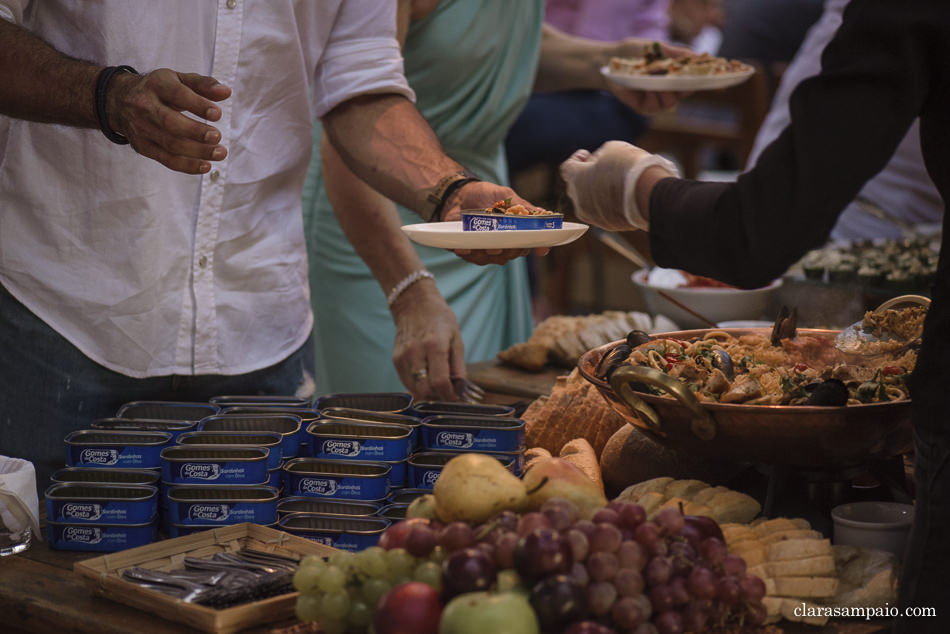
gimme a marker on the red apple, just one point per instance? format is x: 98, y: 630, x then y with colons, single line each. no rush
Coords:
x: 409, y: 608
x: 395, y: 535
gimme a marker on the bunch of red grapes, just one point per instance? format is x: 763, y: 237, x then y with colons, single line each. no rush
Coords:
x: 617, y: 572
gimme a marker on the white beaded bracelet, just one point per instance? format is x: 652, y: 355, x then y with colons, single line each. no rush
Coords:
x: 405, y: 283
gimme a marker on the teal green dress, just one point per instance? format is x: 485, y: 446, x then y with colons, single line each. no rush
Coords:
x: 472, y: 65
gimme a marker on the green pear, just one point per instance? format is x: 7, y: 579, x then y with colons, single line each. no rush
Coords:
x: 556, y: 477
x: 481, y: 612
x: 474, y: 487
x: 423, y: 506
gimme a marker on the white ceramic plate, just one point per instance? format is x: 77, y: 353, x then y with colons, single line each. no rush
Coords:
x: 449, y: 235
x: 677, y: 82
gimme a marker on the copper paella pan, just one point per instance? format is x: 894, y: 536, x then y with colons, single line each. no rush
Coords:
x: 802, y: 435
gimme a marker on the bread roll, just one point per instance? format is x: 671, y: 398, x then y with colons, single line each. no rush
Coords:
x: 579, y: 453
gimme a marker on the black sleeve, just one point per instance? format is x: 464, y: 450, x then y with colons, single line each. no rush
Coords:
x: 845, y: 124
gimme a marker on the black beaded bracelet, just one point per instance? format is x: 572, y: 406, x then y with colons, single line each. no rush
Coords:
x: 447, y: 194
x: 102, y: 85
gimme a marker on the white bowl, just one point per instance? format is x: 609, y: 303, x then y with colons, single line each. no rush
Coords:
x: 878, y: 525
x: 716, y: 304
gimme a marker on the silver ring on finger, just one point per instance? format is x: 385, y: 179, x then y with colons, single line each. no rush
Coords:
x: 420, y: 374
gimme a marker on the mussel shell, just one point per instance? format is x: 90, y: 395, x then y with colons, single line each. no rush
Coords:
x: 830, y: 392
x: 612, y: 360
x: 637, y: 337
x: 723, y: 361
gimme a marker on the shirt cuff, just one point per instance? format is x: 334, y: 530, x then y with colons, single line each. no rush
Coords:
x: 359, y: 67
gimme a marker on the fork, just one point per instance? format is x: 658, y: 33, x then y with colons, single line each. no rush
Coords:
x: 468, y: 391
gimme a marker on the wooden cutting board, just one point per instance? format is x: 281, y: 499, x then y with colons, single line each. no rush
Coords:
x: 493, y: 376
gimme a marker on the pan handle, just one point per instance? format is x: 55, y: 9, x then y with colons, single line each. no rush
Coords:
x: 702, y: 424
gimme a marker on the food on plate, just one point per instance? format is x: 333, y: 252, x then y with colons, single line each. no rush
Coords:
x: 562, y: 339
x: 748, y: 369
x: 574, y: 409
x: 505, y: 207
x: 656, y: 62
x: 504, y: 216
x: 694, y: 497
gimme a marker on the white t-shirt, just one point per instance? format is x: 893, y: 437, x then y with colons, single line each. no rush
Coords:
x: 903, y: 189
x: 151, y: 272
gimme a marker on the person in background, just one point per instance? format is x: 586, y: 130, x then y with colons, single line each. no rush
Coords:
x: 900, y: 196
x: 472, y: 66
x: 554, y: 123
x: 178, y: 271
x: 885, y: 67
x: 768, y: 33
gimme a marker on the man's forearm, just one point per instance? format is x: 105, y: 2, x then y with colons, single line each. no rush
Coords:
x: 385, y: 141
x: 41, y: 84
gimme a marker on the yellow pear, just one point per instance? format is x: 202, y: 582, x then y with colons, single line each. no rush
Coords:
x: 473, y: 487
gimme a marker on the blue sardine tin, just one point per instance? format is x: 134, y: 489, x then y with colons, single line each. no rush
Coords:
x: 269, y: 440
x: 307, y: 416
x: 116, y: 449
x: 369, y: 416
x: 107, y: 476
x: 473, y: 433
x: 425, y: 466
x: 389, y: 402
x: 83, y: 503
x: 406, y: 496
x: 342, y: 440
x: 394, y: 512
x: 167, y: 410
x: 100, y: 537
x: 344, y: 533
x: 223, y: 505
x: 306, y: 504
x: 183, y: 464
x: 424, y: 409
x: 343, y: 479
x: 173, y: 427
x: 488, y: 221
x: 260, y: 400
x: 287, y: 425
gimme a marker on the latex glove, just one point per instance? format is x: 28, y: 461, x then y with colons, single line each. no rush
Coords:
x: 427, y: 339
x: 602, y: 185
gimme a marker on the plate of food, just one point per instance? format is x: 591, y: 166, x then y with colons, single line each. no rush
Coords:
x: 655, y: 71
x: 450, y: 235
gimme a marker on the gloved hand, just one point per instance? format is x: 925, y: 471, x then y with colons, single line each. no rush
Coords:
x: 602, y: 185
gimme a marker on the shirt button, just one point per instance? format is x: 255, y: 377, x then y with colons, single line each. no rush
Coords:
x: 231, y: 4
x: 203, y: 261
x: 215, y: 175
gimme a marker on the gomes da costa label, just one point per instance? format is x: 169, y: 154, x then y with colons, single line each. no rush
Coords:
x: 455, y: 439
x: 77, y: 511
x: 347, y: 448
x: 99, y: 456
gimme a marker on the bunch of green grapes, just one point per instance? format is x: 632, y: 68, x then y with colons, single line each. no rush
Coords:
x: 341, y: 592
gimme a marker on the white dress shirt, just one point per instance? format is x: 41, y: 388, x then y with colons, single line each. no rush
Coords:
x: 150, y: 272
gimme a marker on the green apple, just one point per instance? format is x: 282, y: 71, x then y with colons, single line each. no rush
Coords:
x: 481, y: 612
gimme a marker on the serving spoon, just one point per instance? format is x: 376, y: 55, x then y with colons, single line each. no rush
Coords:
x: 856, y: 340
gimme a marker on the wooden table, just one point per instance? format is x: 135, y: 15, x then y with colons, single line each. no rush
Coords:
x: 40, y: 593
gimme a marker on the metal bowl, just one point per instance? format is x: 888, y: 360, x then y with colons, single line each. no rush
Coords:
x: 801, y: 435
